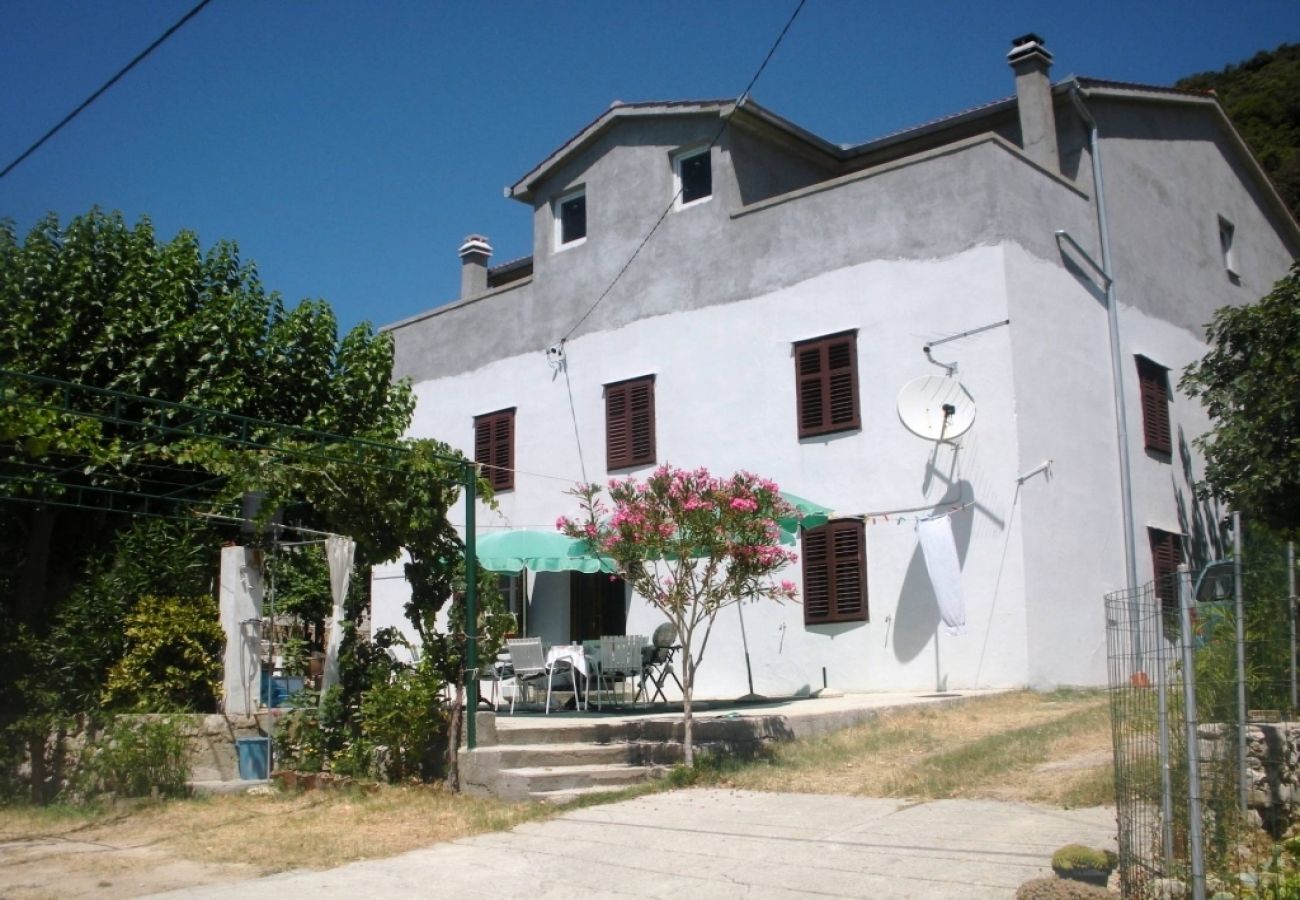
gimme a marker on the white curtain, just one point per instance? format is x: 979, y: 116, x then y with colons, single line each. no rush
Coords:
x: 338, y: 553
x: 940, y: 552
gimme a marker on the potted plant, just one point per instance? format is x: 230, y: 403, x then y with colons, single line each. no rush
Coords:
x: 1080, y: 863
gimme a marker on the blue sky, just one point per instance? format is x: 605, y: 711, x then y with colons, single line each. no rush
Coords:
x: 348, y: 147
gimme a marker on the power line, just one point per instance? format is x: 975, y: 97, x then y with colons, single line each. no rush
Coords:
x: 740, y: 101
x: 107, y: 84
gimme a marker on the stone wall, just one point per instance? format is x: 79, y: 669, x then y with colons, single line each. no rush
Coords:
x: 1272, y: 767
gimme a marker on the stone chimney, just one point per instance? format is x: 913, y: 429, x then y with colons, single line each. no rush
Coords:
x: 474, y: 255
x: 1030, y: 61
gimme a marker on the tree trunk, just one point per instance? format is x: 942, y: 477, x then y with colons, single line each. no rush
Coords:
x: 454, y: 729
x: 688, y: 693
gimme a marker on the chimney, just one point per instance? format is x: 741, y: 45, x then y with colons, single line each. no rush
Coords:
x: 1030, y: 61
x: 474, y: 255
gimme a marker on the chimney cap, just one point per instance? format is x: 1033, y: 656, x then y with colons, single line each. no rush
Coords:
x: 474, y: 243
x: 1026, y: 47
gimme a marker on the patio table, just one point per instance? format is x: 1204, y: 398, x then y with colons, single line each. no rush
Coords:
x: 576, y: 658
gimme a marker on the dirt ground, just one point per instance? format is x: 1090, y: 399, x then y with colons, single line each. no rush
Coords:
x: 134, y: 850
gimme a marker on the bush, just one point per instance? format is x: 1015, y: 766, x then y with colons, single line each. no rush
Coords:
x: 135, y: 756
x: 1061, y: 889
x: 173, y: 657
x: 1077, y: 856
x: 408, y: 718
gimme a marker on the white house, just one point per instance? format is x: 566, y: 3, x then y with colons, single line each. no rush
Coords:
x: 793, y: 287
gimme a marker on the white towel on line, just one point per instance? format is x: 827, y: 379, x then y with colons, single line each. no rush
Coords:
x: 940, y: 552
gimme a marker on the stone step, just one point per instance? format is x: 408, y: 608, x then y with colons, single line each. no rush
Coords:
x: 524, y: 782
x: 637, y: 753
x: 589, y: 732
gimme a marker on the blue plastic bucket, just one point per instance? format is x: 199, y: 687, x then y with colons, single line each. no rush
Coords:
x: 254, y: 757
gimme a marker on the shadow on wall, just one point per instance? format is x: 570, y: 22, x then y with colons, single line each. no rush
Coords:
x: 917, y: 615
x: 1200, y: 519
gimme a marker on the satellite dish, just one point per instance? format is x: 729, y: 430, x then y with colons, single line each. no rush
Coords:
x: 936, y: 408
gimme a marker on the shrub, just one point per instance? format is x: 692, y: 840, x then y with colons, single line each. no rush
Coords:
x: 135, y: 756
x: 1077, y: 856
x: 407, y: 717
x: 1060, y: 889
x: 173, y: 656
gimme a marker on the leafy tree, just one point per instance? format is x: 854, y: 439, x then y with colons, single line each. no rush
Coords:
x: 1249, y: 382
x: 172, y: 661
x: 691, y: 544
x: 1262, y: 96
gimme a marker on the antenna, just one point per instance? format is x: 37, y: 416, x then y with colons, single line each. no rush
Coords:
x: 936, y: 408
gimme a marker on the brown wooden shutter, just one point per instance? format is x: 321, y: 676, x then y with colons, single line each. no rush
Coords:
x: 630, y: 423
x: 494, y: 447
x: 1166, y: 555
x: 826, y: 373
x: 835, y: 573
x: 1153, y: 380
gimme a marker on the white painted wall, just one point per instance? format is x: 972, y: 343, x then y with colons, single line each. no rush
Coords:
x: 725, y: 399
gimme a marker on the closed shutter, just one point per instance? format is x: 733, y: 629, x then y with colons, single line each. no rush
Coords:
x: 1153, y: 380
x: 826, y: 372
x: 630, y: 423
x: 494, y: 448
x: 1166, y: 555
x: 835, y: 573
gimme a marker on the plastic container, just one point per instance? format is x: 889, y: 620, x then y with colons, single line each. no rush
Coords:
x: 254, y: 757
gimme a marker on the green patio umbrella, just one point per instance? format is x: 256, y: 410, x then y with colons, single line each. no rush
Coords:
x: 807, y: 514
x: 537, y: 551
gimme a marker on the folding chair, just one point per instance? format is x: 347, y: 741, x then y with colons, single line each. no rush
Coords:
x: 620, y: 659
x: 657, y: 663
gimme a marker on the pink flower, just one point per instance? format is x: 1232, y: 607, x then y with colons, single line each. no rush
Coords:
x: 743, y: 504
x: 788, y: 586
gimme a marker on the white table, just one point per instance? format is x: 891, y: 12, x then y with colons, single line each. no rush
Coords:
x: 576, y: 658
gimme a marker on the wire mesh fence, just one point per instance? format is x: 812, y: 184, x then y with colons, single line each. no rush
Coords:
x: 1202, y: 703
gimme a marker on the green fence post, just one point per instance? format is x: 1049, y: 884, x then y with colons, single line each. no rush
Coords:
x: 471, y: 610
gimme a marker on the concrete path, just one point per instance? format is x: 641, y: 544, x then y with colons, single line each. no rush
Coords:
x: 720, y: 843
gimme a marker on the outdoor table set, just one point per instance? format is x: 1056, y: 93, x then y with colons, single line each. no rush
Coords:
x: 601, y: 667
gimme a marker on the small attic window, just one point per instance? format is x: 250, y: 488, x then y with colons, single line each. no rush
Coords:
x: 571, y: 218
x: 692, y: 176
x: 1227, y: 236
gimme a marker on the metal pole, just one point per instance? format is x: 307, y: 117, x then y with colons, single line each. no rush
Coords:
x: 1290, y: 580
x: 471, y: 609
x: 1162, y: 704
x: 1242, y: 787
x: 1194, y: 839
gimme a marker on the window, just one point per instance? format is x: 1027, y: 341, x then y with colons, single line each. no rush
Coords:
x: 693, y: 177
x: 571, y: 218
x: 630, y: 423
x: 1153, y: 379
x: 826, y: 372
x: 1166, y: 554
x: 835, y: 573
x: 494, y: 447
x: 1227, y: 232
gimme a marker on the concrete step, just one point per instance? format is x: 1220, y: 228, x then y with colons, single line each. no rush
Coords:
x: 586, y: 731
x: 524, y: 782
x: 568, y: 794
x: 636, y: 753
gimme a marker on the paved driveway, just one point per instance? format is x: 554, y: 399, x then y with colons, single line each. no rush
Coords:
x: 720, y: 843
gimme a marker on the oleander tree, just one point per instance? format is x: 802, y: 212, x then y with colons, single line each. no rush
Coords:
x: 691, y: 543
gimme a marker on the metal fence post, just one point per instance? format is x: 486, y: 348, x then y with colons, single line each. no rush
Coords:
x: 1243, y: 797
x: 1194, y: 838
x: 471, y: 609
x: 1290, y: 584
x: 1162, y: 706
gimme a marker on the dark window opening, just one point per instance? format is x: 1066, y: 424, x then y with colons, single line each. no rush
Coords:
x: 696, y: 174
x: 494, y: 448
x: 597, y: 606
x: 573, y: 219
x: 835, y: 573
x: 826, y: 373
x: 630, y: 423
x: 1153, y: 380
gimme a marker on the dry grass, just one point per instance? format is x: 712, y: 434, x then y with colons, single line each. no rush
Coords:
x: 1045, y: 748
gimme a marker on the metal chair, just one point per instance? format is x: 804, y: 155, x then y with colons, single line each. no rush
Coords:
x: 529, y: 664
x: 657, y: 663
x: 620, y: 659
x: 497, y: 671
